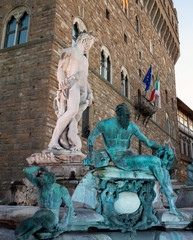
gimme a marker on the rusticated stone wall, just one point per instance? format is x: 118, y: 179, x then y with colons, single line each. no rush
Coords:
x: 28, y: 73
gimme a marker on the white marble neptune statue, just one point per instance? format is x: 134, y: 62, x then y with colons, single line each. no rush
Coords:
x: 74, y: 94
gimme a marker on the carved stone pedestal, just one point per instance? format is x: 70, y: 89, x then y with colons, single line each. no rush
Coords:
x: 124, y: 199
x: 64, y: 164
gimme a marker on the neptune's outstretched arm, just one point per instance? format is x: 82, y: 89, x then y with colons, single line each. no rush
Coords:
x: 147, y: 142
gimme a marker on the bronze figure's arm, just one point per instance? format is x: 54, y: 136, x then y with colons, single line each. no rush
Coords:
x: 146, y: 141
x: 67, y: 200
x: 29, y: 173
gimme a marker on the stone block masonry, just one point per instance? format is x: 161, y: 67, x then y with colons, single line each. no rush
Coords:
x: 28, y: 74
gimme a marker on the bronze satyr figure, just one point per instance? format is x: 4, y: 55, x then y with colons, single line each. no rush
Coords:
x: 50, y: 197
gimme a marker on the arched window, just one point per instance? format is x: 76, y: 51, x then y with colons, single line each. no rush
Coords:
x: 137, y: 25
x: 166, y: 96
x: 122, y: 82
x: 139, y: 96
x: 108, y: 69
x: 140, y: 73
x: 85, y: 123
x: 10, y: 33
x: 75, y: 33
x: 78, y: 27
x: 167, y: 124
x: 16, y: 27
x: 125, y: 86
x: 23, y: 29
x: 105, y: 64
x: 102, y: 64
x: 172, y: 100
x: 151, y: 47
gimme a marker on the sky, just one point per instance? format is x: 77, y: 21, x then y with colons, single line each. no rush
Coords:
x: 184, y: 65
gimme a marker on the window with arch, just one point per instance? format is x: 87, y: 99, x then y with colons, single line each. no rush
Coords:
x: 78, y: 27
x: 172, y: 100
x: 75, y: 33
x: 108, y: 69
x: 140, y: 55
x: 140, y: 74
x: 85, y: 123
x: 166, y: 96
x: 107, y: 14
x: 124, y: 6
x: 151, y: 47
x: 167, y: 124
x: 137, y: 25
x: 105, y: 64
x: 139, y: 96
x: 125, y: 86
x: 16, y: 27
x: 102, y: 64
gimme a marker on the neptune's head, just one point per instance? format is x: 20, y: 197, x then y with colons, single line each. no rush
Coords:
x: 123, y: 115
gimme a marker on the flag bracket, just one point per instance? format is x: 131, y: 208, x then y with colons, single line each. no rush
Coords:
x: 143, y: 107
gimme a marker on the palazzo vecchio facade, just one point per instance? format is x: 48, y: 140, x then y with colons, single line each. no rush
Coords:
x: 132, y: 35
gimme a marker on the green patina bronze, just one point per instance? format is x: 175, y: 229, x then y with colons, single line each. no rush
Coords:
x: 143, y: 218
x: 117, y: 133
x: 189, y: 177
x: 50, y: 197
x: 105, y: 188
x: 101, y: 188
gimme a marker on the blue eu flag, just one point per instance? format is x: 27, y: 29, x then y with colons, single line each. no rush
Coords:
x: 147, y: 79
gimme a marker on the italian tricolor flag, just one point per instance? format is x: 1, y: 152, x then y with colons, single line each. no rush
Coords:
x: 156, y: 91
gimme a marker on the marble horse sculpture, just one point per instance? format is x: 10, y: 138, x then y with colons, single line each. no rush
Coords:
x: 50, y: 197
x: 74, y: 94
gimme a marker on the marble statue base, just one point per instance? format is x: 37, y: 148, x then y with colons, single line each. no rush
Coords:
x: 67, y: 167
x: 63, y: 163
